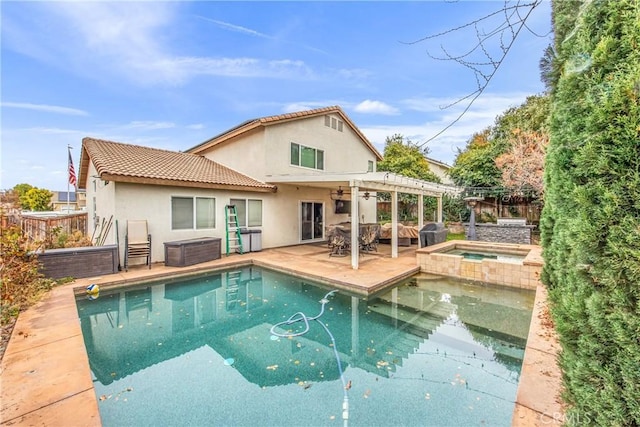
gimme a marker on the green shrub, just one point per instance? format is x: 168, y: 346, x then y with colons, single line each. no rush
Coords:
x: 21, y: 283
x: 590, y: 227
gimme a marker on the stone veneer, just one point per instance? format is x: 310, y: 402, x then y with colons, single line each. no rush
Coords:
x: 435, y: 260
x: 507, y: 233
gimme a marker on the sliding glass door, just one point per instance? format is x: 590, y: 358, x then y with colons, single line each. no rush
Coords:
x: 312, y: 221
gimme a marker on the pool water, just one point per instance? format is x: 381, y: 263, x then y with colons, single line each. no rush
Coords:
x: 479, y: 256
x: 430, y: 351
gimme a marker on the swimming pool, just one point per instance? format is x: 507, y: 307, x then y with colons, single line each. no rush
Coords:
x: 429, y: 351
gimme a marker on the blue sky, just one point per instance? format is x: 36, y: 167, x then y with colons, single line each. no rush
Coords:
x: 173, y: 74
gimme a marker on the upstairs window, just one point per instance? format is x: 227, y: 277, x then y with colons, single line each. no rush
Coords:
x: 370, y: 166
x: 307, y: 157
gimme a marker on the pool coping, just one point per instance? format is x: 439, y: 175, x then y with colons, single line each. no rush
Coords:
x: 532, y: 253
x: 46, y: 378
x: 538, y: 401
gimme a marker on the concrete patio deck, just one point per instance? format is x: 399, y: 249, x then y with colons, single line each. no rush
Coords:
x: 45, y: 375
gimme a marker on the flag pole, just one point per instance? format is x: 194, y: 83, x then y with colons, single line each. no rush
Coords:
x: 71, y: 173
x: 68, y: 180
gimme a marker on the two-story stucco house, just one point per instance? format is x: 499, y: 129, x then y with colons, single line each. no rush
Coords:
x: 286, y: 175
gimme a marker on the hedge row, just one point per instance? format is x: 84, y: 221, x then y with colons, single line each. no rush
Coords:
x: 590, y: 224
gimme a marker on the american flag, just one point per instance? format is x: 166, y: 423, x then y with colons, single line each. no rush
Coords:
x: 72, y: 171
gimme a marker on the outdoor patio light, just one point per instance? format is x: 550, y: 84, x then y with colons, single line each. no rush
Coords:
x: 337, y: 195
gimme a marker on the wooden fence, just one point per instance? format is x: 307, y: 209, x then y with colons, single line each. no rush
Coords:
x: 39, y: 228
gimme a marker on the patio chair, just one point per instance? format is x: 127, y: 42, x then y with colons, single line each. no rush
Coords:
x: 137, y: 242
x: 339, y: 242
x: 369, y: 239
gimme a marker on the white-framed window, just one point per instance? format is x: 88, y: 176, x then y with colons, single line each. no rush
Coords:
x: 249, y: 212
x: 370, y: 166
x: 307, y: 157
x: 188, y: 213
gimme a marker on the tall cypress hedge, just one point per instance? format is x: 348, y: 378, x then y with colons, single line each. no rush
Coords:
x: 590, y: 224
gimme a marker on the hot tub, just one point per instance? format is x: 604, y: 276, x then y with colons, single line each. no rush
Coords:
x: 505, y: 264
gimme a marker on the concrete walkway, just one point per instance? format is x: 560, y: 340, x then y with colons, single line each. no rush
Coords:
x: 45, y: 375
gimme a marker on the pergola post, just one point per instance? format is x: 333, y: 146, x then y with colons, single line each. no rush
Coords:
x: 439, y: 208
x: 394, y: 224
x: 420, y: 215
x: 355, y: 228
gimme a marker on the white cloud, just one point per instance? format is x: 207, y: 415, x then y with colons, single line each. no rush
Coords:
x: 149, y: 125
x: 46, y: 108
x: 375, y: 107
x: 255, y: 33
x: 179, y: 70
x: 353, y: 73
x: 236, y: 28
x: 128, y: 40
x: 50, y: 131
x: 195, y: 126
x: 302, y: 106
x: 445, y: 146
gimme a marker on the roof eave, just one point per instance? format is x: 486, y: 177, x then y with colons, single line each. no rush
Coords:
x: 188, y: 184
x: 230, y: 134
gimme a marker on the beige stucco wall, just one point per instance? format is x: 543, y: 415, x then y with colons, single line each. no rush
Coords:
x: 246, y: 155
x: 280, y: 212
x: 440, y: 171
x: 103, y: 192
x: 266, y: 153
x: 259, y: 154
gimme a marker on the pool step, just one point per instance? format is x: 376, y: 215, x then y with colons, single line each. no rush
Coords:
x: 411, y: 329
x: 418, y: 323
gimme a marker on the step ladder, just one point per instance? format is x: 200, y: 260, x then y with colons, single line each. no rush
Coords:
x: 234, y: 239
x: 233, y: 286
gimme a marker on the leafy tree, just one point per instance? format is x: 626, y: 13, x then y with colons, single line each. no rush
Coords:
x: 406, y: 158
x: 21, y: 189
x: 530, y: 116
x: 475, y: 165
x: 522, y: 165
x: 589, y: 227
x: 36, y: 199
x: 12, y: 196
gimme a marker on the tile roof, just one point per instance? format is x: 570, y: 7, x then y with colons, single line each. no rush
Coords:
x: 281, y: 118
x: 120, y: 162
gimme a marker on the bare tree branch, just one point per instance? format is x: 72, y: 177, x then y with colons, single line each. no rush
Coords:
x: 483, y: 58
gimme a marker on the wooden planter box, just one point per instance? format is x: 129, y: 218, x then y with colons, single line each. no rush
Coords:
x: 193, y: 251
x: 81, y: 262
